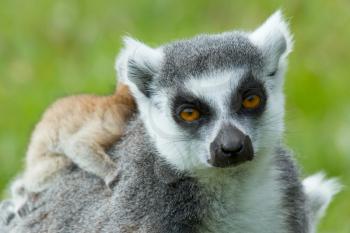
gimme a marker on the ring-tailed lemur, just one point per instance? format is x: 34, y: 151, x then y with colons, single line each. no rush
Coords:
x: 213, y: 105
x: 77, y: 129
x: 205, y: 152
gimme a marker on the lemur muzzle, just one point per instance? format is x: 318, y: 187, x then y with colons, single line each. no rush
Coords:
x: 230, y: 147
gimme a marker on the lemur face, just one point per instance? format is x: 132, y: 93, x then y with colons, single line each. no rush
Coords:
x: 213, y: 100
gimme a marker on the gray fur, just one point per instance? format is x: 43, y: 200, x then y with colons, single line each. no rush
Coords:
x: 141, y: 76
x: 204, y: 53
x: 192, y: 57
x: 294, y: 199
x: 6, y: 213
x: 150, y: 197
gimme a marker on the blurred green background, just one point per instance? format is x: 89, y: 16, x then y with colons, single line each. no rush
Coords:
x: 50, y: 49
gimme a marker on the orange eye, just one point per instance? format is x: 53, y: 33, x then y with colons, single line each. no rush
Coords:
x: 190, y: 114
x: 251, y: 102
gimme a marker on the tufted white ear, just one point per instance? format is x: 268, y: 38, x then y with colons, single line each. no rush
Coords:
x: 274, y: 39
x: 138, y: 63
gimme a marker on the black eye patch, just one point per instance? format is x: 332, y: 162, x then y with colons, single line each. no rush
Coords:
x: 184, y: 100
x: 249, y: 87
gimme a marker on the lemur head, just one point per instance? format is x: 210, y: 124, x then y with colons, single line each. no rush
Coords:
x: 212, y: 100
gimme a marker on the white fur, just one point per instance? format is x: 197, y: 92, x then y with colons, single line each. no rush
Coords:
x: 6, y: 211
x: 249, y: 203
x: 253, y: 196
x: 319, y: 193
x: 271, y: 30
x: 167, y: 136
x: 215, y: 88
x: 160, y: 125
x: 18, y: 193
x: 140, y: 52
x: 274, y: 39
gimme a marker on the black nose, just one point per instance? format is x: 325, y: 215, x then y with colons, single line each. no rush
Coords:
x: 230, y: 147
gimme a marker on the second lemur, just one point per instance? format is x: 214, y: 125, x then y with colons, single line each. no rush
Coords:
x: 77, y: 129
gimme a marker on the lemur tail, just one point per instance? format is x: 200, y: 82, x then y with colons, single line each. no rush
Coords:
x: 319, y: 193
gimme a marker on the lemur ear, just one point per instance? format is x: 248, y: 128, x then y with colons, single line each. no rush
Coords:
x: 139, y: 64
x: 274, y: 39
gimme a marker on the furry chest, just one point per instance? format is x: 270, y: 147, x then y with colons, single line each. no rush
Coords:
x: 248, y: 208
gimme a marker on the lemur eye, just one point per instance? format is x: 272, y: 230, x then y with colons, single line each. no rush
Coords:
x: 190, y: 114
x: 251, y: 102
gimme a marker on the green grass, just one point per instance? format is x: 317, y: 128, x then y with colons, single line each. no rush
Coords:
x: 49, y: 49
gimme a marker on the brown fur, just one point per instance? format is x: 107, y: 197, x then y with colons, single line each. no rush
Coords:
x: 77, y: 129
